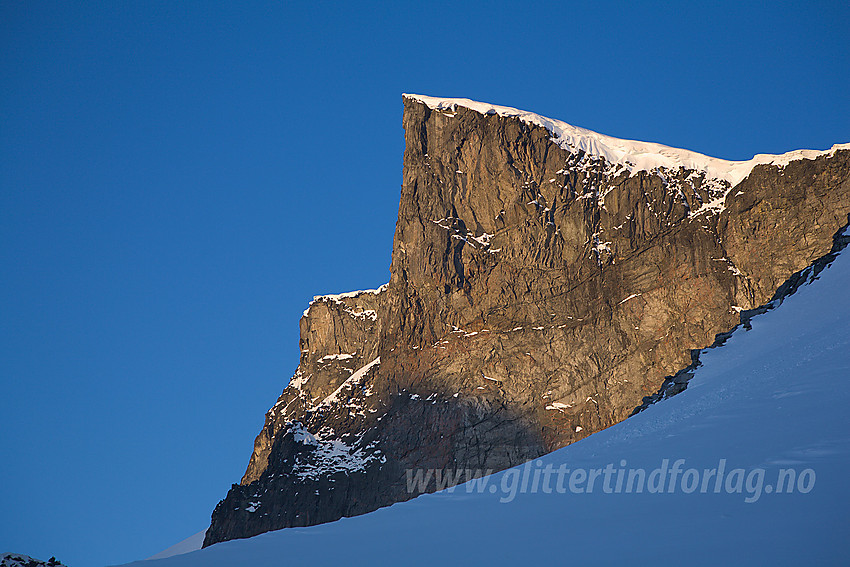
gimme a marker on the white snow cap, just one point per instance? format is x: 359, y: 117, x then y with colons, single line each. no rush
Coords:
x: 631, y: 154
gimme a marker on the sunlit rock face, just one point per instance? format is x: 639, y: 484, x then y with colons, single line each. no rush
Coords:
x: 544, y: 282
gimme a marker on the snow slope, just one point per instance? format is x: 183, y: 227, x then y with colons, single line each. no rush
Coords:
x: 774, y: 397
x: 191, y: 543
x: 633, y: 155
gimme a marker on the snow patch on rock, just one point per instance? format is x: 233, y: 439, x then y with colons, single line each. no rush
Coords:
x: 338, y: 298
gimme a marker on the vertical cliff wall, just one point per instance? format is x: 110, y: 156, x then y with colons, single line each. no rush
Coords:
x: 544, y: 281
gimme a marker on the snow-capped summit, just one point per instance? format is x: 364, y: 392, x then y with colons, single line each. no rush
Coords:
x: 632, y: 155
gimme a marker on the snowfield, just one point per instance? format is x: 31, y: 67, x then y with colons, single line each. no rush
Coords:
x: 775, y: 397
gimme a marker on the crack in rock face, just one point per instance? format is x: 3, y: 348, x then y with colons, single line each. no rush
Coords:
x: 545, y: 282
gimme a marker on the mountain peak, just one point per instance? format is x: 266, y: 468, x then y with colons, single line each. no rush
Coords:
x: 629, y: 156
x: 540, y: 291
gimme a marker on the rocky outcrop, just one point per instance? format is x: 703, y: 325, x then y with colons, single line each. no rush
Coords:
x: 542, y: 287
x: 18, y: 560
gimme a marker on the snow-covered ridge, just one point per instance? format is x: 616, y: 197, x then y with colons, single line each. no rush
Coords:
x: 349, y: 294
x: 337, y: 298
x: 633, y: 155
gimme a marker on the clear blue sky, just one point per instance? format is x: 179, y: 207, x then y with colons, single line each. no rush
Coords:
x: 177, y: 182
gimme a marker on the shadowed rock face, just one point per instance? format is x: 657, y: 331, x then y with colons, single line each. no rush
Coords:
x: 536, y: 296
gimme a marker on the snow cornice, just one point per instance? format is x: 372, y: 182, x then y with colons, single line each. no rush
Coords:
x: 632, y: 155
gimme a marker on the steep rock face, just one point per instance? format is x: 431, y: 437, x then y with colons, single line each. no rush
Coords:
x: 339, y: 334
x: 541, y: 287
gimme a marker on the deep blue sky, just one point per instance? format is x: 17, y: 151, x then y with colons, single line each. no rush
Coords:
x: 177, y: 181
